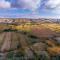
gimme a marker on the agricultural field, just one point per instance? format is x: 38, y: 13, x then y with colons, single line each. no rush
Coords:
x: 30, y: 41
x: 54, y: 27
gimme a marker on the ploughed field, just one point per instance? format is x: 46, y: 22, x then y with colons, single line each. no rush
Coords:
x: 30, y: 41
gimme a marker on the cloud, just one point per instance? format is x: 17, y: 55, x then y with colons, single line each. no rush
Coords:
x: 29, y: 4
x: 5, y: 4
x: 54, y: 5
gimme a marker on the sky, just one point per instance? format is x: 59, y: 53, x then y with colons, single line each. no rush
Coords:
x: 29, y: 8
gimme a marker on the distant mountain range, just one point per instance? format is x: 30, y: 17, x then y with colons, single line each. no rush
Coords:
x: 12, y: 20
